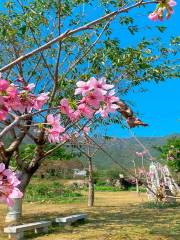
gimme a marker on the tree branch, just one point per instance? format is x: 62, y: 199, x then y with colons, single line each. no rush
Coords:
x: 89, y: 48
x: 71, y: 32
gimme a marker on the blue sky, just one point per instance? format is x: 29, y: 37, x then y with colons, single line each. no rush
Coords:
x: 160, y: 105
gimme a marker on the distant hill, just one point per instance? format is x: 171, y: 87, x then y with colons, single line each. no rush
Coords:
x: 123, y: 151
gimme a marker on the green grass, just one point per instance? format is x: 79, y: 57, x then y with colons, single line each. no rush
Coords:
x: 51, y: 192
x: 161, y: 205
x: 141, y: 189
x: 107, y: 188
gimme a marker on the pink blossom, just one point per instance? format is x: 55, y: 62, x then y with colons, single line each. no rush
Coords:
x: 150, y: 174
x: 169, y: 12
x: 12, y: 91
x: 8, y: 186
x: 103, y: 112
x: 85, y: 110
x: 2, y: 167
x: 106, y: 109
x: 172, y: 3
x: 153, y: 16
x: 110, y: 105
x: 1, y: 100
x: 15, y: 193
x: 139, y: 154
x: 56, y: 130
x: 100, y: 84
x: 54, y: 121
x: 4, y: 84
x: 14, y: 103
x: 40, y: 101
x: 93, y: 98
x: 65, y: 107
x: 53, y: 135
x: 110, y: 98
x: 82, y: 87
x: 64, y: 137
x: 29, y: 87
x: 3, y: 113
x: 159, y: 12
x: 25, y: 102
x: 74, y: 116
x: 86, y: 130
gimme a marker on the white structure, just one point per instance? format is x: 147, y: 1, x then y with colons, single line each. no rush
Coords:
x: 79, y: 173
x: 17, y: 232
x: 161, y: 183
x: 14, y: 212
x: 70, y: 219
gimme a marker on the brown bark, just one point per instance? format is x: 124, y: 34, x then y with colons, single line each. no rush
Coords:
x: 28, y: 171
x: 25, y: 178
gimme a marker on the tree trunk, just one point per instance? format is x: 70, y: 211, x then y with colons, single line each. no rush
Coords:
x: 137, y: 186
x: 15, y: 212
x: 91, y: 185
x: 25, y: 178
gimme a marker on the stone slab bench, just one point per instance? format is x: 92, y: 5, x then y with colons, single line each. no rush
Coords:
x: 17, y: 232
x: 70, y: 219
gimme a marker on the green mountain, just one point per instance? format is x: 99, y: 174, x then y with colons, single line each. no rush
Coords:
x: 123, y: 150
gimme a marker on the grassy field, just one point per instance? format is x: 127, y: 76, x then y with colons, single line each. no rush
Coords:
x: 116, y: 216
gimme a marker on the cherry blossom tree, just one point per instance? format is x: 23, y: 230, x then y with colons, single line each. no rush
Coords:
x: 37, y: 101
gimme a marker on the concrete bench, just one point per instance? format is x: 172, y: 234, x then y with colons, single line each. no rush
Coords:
x: 17, y: 232
x: 70, y: 219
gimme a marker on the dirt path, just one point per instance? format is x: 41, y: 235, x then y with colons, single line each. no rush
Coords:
x: 116, y: 216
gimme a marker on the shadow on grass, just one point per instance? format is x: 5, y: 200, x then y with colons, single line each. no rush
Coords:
x: 136, y: 219
x: 123, y: 222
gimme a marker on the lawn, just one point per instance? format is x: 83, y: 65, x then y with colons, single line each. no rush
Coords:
x: 116, y: 216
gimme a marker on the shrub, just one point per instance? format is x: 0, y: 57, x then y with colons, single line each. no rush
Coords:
x: 51, y: 192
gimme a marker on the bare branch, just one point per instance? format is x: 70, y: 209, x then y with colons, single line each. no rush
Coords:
x: 89, y: 48
x: 71, y: 32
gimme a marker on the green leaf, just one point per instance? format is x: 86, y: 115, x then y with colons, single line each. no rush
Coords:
x: 133, y: 29
x: 23, y: 29
x: 161, y: 28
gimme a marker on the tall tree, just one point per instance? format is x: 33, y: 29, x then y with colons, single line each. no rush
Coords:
x: 46, y: 47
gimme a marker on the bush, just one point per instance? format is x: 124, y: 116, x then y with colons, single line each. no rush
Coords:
x: 101, y: 188
x: 141, y: 189
x: 51, y: 192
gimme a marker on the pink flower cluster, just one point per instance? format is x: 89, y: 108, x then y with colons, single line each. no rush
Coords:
x: 56, y: 130
x: 160, y: 9
x: 97, y: 97
x: 141, y: 154
x: 8, y: 186
x: 19, y: 98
